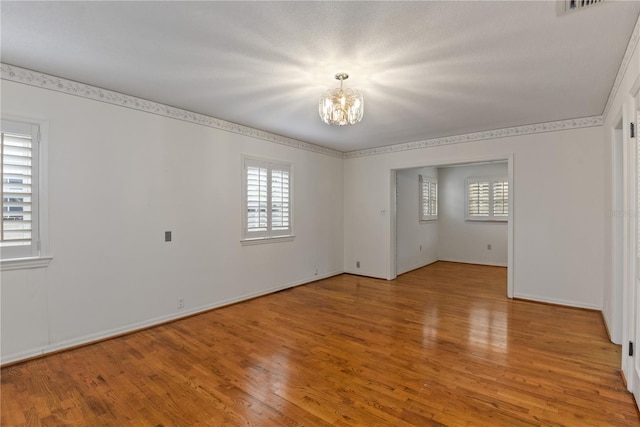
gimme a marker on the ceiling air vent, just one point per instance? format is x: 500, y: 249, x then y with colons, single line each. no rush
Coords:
x: 566, y: 6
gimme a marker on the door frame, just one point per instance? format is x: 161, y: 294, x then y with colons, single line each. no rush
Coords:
x: 631, y: 242
x: 509, y: 158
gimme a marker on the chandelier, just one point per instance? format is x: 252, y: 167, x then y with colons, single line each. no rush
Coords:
x: 341, y: 106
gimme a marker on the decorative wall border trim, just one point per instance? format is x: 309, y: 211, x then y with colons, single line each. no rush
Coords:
x: 34, y: 78
x: 480, y: 136
x: 37, y: 79
x: 626, y: 59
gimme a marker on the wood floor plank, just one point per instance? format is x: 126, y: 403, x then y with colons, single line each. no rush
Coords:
x: 439, y: 346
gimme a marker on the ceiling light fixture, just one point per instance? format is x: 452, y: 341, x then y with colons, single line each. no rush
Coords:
x: 341, y: 106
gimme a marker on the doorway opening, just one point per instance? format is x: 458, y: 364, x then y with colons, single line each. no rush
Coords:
x: 454, y: 234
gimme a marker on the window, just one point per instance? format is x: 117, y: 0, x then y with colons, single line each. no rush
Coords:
x: 267, y: 199
x: 428, y: 199
x: 19, y: 234
x: 487, y: 199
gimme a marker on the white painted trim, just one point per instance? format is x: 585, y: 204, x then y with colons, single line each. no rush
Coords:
x: 417, y: 266
x: 624, y: 64
x: 627, y: 252
x: 631, y: 247
x: 608, y: 328
x: 615, y: 202
x: 58, y: 84
x: 466, y: 261
x: 24, y: 263
x: 509, y: 158
x: 557, y: 301
x: 266, y: 240
x: 481, y: 136
x: 92, y: 338
x: 393, y: 230
x: 364, y: 273
x: 44, y: 81
x: 511, y: 226
x: 635, y: 88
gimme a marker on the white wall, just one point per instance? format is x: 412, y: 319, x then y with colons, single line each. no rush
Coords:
x: 119, y: 178
x: 466, y: 241
x: 558, y: 195
x: 417, y: 242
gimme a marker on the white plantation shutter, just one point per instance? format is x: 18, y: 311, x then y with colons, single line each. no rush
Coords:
x: 267, y: 199
x: 19, y: 227
x: 257, y: 200
x: 478, y: 199
x: 428, y: 199
x: 280, y: 208
x: 487, y: 199
x: 501, y: 199
x: 433, y: 199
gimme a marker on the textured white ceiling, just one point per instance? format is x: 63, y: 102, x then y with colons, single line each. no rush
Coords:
x: 426, y: 69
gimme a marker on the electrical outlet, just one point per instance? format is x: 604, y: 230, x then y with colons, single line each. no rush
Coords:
x: 180, y: 303
x: 420, y: 248
x: 167, y: 236
x: 488, y: 247
x: 316, y: 272
x: 357, y: 264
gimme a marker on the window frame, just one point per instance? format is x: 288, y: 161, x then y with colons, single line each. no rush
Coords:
x: 431, y: 211
x: 270, y: 235
x: 491, y: 216
x: 34, y: 255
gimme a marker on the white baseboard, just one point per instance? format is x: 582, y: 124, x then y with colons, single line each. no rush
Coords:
x: 467, y: 261
x: 111, y: 333
x: 612, y: 337
x: 557, y: 301
x: 364, y: 273
x: 417, y: 266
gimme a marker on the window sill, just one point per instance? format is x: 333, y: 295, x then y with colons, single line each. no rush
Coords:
x: 502, y: 221
x: 264, y: 240
x: 24, y: 263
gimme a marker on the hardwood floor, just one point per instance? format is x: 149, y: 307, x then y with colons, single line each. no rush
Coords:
x: 438, y: 346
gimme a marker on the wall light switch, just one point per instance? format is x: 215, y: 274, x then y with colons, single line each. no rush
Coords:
x: 167, y: 236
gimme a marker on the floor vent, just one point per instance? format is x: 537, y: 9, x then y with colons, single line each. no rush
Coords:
x: 568, y: 6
